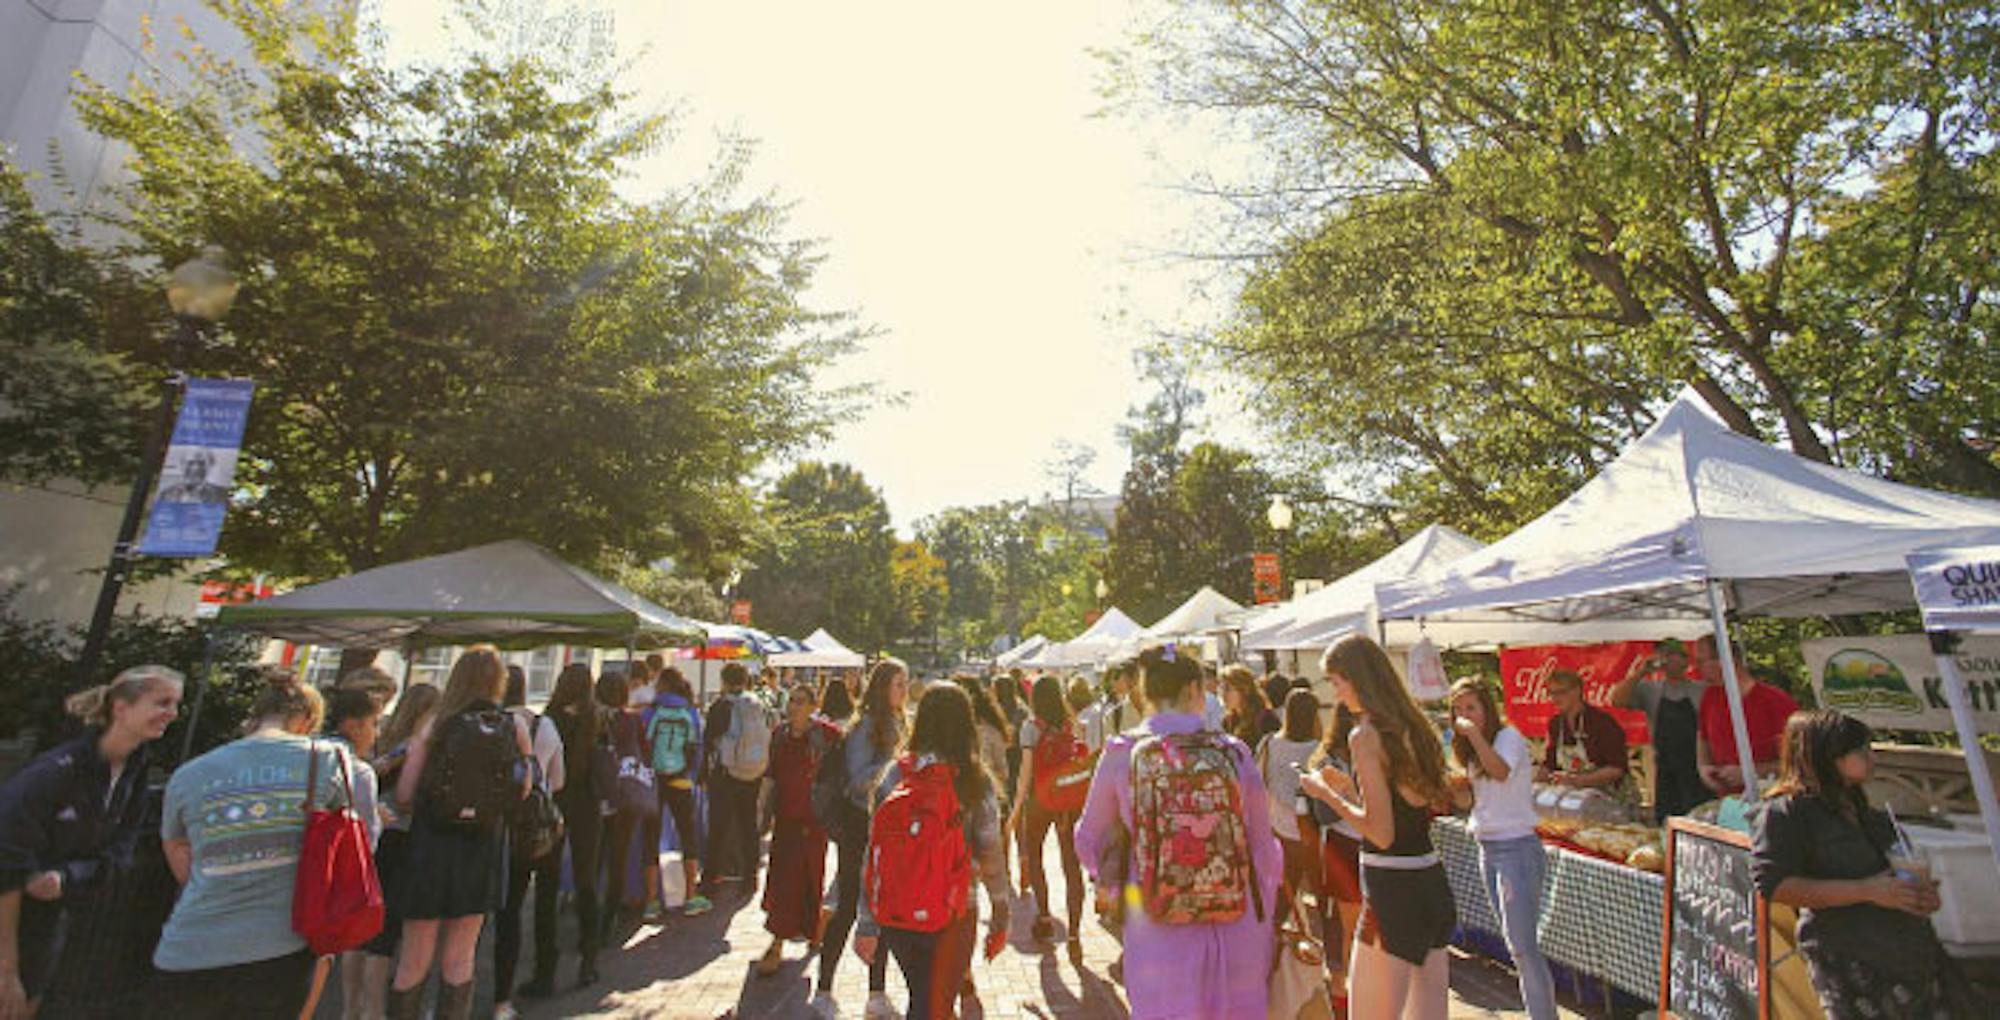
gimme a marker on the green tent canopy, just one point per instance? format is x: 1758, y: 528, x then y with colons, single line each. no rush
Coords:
x: 513, y: 594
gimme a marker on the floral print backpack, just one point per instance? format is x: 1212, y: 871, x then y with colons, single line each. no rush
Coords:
x: 1190, y: 846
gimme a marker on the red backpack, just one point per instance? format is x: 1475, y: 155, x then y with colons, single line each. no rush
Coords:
x: 917, y: 842
x: 1063, y: 764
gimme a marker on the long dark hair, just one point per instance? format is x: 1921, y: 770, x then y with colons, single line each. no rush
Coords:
x: 1050, y: 703
x: 886, y: 721
x: 834, y: 701
x: 984, y: 708
x: 1301, y: 715
x: 1809, y: 762
x: 1415, y: 758
x: 1007, y: 690
x: 944, y: 728
x: 1333, y: 743
x: 572, y: 700
x: 672, y: 681
x: 1246, y: 721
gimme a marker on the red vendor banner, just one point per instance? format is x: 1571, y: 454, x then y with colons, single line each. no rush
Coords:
x: 1525, y: 673
x: 1266, y: 582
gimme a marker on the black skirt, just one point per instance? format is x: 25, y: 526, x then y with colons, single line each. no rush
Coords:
x: 1407, y: 913
x: 451, y: 871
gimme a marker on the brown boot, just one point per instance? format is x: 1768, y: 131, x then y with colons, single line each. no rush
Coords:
x: 455, y: 1002
x: 405, y: 1005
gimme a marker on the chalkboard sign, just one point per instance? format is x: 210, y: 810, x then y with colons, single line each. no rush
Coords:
x: 1715, y: 957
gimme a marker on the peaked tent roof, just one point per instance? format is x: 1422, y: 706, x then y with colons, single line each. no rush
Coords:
x: 1692, y: 501
x: 1203, y: 611
x: 1025, y: 650
x: 1092, y: 646
x: 822, y: 649
x: 1345, y: 604
x: 512, y: 593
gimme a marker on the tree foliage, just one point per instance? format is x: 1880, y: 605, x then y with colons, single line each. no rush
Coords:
x: 1005, y: 565
x: 459, y: 328
x: 825, y: 559
x: 1495, y: 238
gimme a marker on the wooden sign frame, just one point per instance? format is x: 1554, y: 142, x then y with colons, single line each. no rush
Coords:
x: 1762, y: 923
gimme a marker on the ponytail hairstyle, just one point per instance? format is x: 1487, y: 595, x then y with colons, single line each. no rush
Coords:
x: 1166, y: 673
x: 350, y: 703
x: 1415, y: 757
x: 93, y: 706
x: 284, y: 697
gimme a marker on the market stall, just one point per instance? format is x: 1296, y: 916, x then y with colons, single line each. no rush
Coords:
x: 1091, y: 648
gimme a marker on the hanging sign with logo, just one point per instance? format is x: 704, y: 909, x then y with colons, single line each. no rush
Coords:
x: 1525, y: 673
x: 199, y: 470
x: 1891, y: 681
x: 1268, y: 583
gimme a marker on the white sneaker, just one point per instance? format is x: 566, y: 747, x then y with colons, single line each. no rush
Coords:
x: 878, y: 1006
x: 505, y: 1011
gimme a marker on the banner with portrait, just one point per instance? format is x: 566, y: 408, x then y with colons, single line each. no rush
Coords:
x: 199, y: 470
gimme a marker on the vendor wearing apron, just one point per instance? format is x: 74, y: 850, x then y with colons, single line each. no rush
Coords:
x: 1586, y: 746
x: 1658, y: 685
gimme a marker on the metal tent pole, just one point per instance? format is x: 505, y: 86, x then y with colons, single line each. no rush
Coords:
x: 1733, y: 688
x: 201, y: 683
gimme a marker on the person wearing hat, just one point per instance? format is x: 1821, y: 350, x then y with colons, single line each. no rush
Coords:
x: 1659, y: 685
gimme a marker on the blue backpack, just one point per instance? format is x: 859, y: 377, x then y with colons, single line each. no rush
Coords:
x: 671, y: 733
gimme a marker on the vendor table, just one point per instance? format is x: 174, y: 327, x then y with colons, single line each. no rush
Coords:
x: 1598, y: 918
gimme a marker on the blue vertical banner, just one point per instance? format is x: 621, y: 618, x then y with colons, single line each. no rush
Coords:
x: 199, y: 470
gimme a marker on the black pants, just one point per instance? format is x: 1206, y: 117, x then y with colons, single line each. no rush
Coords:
x: 847, y: 889
x: 732, y: 828
x: 916, y: 956
x: 264, y: 988
x: 616, y: 850
x: 585, y: 828
x: 676, y: 803
x: 547, y: 876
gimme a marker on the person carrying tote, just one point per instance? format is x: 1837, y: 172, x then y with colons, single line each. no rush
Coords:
x: 1181, y: 810
x: 1500, y: 789
x: 1400, y: 967
x: 466, y: 772
x: 69, y: 817
x: 233, y: 825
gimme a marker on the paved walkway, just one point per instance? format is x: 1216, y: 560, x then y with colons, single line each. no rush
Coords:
x: 702, y: 968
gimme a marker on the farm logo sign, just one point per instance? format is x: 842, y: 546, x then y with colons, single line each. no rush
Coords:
x: 1892, y: 681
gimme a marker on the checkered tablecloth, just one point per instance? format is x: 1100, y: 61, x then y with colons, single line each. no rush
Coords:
x: 1600, y: 918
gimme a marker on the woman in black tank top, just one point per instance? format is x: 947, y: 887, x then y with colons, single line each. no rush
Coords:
x: 1399, y: 967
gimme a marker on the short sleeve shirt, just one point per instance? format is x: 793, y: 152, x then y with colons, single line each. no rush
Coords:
x: 1597, y: 741
x: 241, y: 808
x: 1765, y: 709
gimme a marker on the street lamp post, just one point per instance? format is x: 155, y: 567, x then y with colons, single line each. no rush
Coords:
x: 200, y: 292
x: 1279, y: 517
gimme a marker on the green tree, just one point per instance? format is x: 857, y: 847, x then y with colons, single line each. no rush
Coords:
x: 459, y: 328
x: 826, y: 560
x: 1493, y: 239
x: 918, y: 583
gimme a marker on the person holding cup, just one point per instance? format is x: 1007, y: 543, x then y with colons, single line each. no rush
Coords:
x: 1864, y: 901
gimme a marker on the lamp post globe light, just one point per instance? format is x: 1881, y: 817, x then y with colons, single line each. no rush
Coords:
x: 200, y: 292
x: 1279, y: 517
x: 1103, y: 590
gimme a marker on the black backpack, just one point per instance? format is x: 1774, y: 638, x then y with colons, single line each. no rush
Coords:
x: 472, y: 776
x: 834, y: 812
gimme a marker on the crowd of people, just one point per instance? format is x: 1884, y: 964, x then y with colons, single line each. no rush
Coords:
x: 1196, y: 813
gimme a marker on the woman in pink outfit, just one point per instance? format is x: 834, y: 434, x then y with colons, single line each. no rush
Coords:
x: 1200, y: 970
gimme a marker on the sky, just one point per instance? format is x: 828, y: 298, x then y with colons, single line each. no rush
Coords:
x: 974, y: 207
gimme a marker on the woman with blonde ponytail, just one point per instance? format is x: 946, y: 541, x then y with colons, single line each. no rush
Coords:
x: 91, y: 785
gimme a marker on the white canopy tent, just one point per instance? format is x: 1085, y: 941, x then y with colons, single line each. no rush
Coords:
x: 1091, y: 647
x: 823, y: 651
x: 1693, y: 516
x: 1203, y: 611
x: 1959, y: 591
x: 1347, y: 604
x: 1022, y: 652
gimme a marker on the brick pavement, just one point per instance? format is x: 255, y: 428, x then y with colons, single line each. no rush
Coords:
x: 701, y: 968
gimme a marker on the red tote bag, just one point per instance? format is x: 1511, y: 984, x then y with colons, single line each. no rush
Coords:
x: 337, y: 897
